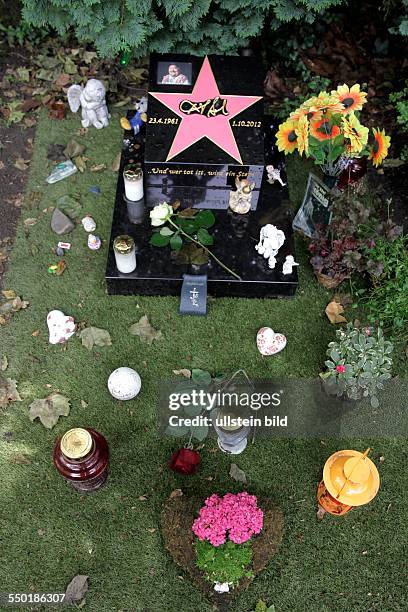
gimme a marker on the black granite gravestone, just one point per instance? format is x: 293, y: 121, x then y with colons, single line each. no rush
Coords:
x: 160, y: 271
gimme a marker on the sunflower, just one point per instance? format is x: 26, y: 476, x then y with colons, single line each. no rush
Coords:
x: 308, y: 109
x: 286, y: 137
x: 350, y: 99
x: 302, y: 133
x: 328, y: 103
x: 323, y: 129
x: 380, y: 147
x: 355, y: 132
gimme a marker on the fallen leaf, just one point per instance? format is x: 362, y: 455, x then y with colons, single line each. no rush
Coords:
x: 30, y: 122
x: 145, y: 331
x: 84, y: 404
x: 21, y: 164
x: 142, y: 498
x: 49, y: 410
x: 23, y: 74
x: 382, y: 459
x: 97, y: 167
x: 76, y: 589
x: 334, y: 312
x: 62, y: 80
x: 8, y: 392
x: 116, y: 162
x: 9, y: 294
x: 237, y: 474
x: 184, y: 372
x: 73, y: 149
x: 30, y: 221
x: 151, y: 530
x: 176, y: 493
x: 36, y: 333
x: 61, y: 265
x: 19, y: 304
x: 4, y: 363
x: 20, y: 459
x: 80, y: 162
x: 91, y: 336
x: 40, y: 532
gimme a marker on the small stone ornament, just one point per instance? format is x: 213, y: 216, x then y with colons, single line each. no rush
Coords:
x: 269, y: 342
x: 240, y: 200
x: 60, y: 223
x: 289, y: 264
x: 124, y: 383
x: 270, y: 241
x: 60, y: 326
x: 274, y: 175
x: 94, y: 242
x: 92, y: 100
x: 88, y: 223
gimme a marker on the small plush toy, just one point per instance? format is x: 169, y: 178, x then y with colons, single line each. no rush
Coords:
x: 140, y: 117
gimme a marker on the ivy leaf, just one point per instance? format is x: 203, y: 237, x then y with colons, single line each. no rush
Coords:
x: 205, y: 218
x: 8, y: 392
x: 237, y: 474
x: 94, y: 336
x: 158, y: 240
x: 145, y: 331
x: 49, y: 410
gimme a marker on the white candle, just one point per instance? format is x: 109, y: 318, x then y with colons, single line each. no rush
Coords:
x: 125, y: 253
x: 133, y: 179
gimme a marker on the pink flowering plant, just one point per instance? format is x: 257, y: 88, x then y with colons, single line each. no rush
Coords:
x: 224, y: 528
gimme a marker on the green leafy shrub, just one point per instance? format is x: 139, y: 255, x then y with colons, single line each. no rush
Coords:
x: 359, y: 363
x: 226, y: 563
x: 203, y: 26
x: 387, y: 299
x: 400, y: 99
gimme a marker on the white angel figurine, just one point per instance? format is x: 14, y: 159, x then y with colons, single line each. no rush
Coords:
x: 270, y: 241
x: 288, y: 264
x: 92, y: 99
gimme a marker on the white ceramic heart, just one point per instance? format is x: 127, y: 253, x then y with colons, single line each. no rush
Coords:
x: 269, y: 342
x: 60, y: 327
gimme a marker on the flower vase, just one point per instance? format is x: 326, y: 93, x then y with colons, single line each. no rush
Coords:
x: 332, y: 171
x: 355, y: 170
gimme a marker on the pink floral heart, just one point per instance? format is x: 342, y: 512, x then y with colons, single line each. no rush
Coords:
x: 268, y: 342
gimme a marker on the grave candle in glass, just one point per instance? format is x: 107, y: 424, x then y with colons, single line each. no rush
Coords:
x: 125, y: 253
x: 81, y: 456
x: 350, y: 479
x: 133, y: 179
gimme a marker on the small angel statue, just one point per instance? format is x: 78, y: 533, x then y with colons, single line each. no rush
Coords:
x: 240, y: 200
x: 274, y: 175
x: 92, y: 99
x: 270, y: 241
x: 288, y: 264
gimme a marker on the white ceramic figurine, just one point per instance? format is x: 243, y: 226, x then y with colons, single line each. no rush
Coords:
x: 92, y: 99
x: 288, y: 264
x: 270, y: 241
x: 274, y: 175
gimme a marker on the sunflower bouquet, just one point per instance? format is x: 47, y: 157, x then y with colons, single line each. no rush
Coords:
x: 327, y: 128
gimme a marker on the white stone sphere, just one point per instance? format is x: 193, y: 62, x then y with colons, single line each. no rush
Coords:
x: 124, y: 383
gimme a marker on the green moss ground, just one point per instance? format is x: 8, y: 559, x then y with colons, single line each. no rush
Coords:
x: 108, y: 536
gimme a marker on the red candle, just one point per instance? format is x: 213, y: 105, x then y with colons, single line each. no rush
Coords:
x: 81, y: 456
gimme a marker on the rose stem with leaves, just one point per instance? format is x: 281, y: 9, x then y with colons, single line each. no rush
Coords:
x: 205, y: 248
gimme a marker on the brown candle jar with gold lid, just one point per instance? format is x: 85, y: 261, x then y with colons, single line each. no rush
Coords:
x: 81, y: 456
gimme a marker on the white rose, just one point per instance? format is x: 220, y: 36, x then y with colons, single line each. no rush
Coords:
x: 160, y: 214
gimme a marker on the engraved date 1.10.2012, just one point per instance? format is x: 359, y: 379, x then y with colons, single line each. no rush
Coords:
x: 176, y: 120
x: 17, y: 599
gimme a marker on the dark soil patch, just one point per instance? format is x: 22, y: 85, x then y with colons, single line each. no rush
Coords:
x: 176, y: 521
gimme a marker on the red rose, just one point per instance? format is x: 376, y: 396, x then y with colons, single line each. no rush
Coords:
x: 341, y: 369
x: 185, y: 461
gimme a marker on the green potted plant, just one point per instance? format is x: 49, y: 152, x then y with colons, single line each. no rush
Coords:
x: 359, y: 363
